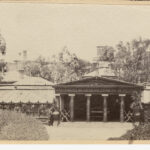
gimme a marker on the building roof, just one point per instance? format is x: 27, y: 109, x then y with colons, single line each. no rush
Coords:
x: 33, y: 81
x: 12, y: 76
x: 97, y: 85
x: 101, y: 72
x: 18, y: 78
x: 96, y: 80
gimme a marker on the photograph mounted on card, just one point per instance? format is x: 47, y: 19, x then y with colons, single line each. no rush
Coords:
x: 74, y: 73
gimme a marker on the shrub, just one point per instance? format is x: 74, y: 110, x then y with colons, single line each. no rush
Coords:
x: 140, y: 132
x: 17, y: 126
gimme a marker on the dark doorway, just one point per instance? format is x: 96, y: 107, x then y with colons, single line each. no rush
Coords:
x: 113, y: 108
x: 80, y: 108
x: 128, y: 100
x: 96, y: 108
x: 66, y: 103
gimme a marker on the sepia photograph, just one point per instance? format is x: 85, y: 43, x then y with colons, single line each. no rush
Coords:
x: 74, y: 73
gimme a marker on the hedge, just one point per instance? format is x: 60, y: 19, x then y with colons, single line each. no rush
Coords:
x: 18, y: 126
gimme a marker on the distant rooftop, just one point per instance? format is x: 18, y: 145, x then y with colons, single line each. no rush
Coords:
x: 12, y: 76
x: 101, y: 72
x: 18, y: 78
x: 33, y: 81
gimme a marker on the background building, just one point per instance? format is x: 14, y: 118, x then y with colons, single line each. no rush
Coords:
x: 17, y: 87
x: 102, y: 63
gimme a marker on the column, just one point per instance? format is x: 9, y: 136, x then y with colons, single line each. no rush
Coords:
x: 58, y: 106
x: 57, y: 96
x: 122, y: 107
x: 105, y: 107
x: 88, y: 102
x: 61, y: 103
x: 71, y: 106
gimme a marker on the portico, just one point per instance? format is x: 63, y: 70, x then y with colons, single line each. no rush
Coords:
x: 95, y: 98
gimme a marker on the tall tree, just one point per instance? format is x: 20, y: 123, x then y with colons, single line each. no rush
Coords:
x: 131, y: 61
x: 62, y: 67
x: 67, y: 66
x: 3, y: 52
x: 106, y: 53
x: 2, y: 45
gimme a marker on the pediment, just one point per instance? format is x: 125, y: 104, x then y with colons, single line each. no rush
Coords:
x: 97, y: 81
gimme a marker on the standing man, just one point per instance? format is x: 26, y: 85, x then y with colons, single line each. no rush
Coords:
x: 51, y: 118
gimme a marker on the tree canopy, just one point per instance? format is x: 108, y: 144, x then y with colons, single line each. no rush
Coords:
x: 62, y: 67
x: 3, y: 52
x: 2, y: 45
x: 132, y: 60
x: 106, y: 53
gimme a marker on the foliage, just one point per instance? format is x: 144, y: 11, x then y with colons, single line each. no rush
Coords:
x: 3, y: 52
x: 106, y: 53
x: 61, y: 68
x: 136, y: 97
x: 17, y: 126
x: 140, y: 132
x: 132, y: 61
x: 2, y: 45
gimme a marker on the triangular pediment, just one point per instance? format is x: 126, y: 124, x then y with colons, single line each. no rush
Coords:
x: 97, y: 81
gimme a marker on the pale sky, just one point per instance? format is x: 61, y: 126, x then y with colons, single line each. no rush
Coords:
x: 44, y: 29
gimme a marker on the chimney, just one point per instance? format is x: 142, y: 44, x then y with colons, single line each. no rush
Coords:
x: 100, y: 50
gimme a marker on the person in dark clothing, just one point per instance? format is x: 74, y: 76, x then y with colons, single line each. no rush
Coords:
x: 142, y: 116
x: 51, y: 119
x: 59, y: 117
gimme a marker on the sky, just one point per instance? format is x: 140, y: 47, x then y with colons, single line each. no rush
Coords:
x: 44, y: 29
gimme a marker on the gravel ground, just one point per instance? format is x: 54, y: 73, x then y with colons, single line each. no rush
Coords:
x: 87, y: 130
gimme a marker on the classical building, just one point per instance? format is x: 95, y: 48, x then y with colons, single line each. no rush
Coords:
x: 96, y: 98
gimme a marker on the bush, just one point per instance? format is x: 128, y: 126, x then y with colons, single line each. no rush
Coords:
x: 17, y: 126
x: 140, y: 132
